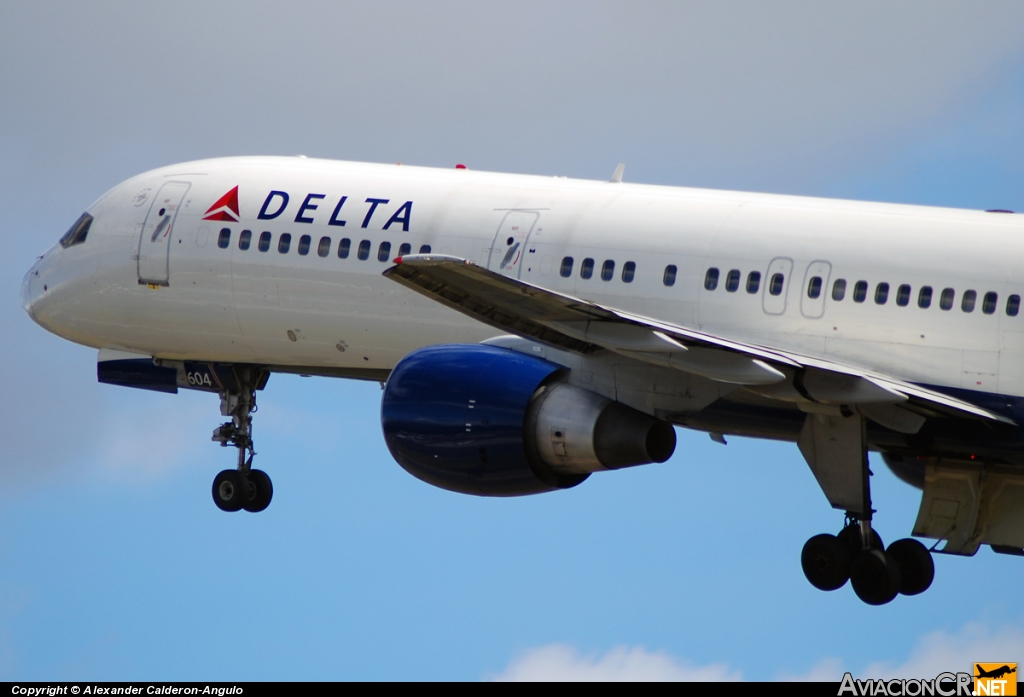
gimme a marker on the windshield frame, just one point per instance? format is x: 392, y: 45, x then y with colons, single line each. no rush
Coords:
x: 77, y: 233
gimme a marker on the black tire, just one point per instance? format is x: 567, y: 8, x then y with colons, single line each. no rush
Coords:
x: 229, y: 490
x: 826, y: 562
x: 917, y: 568
x: 260, y: 491
x: 875, y: 577
x: 851, y: 536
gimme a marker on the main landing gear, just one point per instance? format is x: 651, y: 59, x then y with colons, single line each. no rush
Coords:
x: 244, y: 487
x: 835, y: 447
x: 877, y: 574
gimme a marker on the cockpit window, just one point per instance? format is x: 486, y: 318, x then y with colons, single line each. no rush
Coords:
x: 78, y: 231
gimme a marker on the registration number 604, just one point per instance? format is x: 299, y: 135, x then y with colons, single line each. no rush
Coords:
x: 198, y: 379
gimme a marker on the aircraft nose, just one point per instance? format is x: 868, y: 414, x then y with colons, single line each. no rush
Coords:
x: 28, y: 290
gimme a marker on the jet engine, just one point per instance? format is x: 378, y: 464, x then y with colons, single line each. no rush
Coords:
x: 491, y: 421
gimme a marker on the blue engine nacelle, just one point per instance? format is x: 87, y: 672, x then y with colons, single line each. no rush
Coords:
x: 495, y: 422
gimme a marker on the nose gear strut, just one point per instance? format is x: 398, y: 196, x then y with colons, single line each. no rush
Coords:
x: 242, y: 487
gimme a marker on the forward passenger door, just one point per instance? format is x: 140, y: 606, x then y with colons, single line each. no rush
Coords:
x: 155, y: 239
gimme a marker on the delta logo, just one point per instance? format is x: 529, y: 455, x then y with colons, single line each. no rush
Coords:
x: 995, y: 678
x: 225, y: 208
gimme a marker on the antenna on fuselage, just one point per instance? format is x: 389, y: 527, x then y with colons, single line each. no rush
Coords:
x: 617, y: 176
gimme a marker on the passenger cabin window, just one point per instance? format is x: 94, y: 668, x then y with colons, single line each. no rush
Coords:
x: 753, y: 282
x: 924, y: 297
x: 425, y: 249
x: 607, y: 270
x: 732, y: 281
x: 946, y: 299
x: 324, y: 248
x: 711, y: 279
x: 903, y: 295
x: 245, y: 239
x: 566, y: 270
x: 860, y: 291
x: 776, y: 284
x: 77, y: 233
x: 839, y: 289
x: 384, y: 251
x: 814, y: 288
x: 343, y: 247
x: 669, y: 277
x: 363, y: 253
x: 881, y: 293
x: 628, y: 271
x: 264, y: 241
x: 304, y: 243
x: 284, y: 243
x: 968, y: 300
x: 988, y: 304
x: 1013, y: 305
x: 404, y: 249
x: 587, y: 268
x: 224, y: 239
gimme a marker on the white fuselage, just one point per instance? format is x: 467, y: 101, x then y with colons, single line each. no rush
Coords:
x: 328, y: 314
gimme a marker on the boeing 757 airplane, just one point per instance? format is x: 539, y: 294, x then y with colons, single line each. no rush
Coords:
x: 531, y: 331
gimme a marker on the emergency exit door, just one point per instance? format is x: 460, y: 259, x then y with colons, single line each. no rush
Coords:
x: 509, y: 246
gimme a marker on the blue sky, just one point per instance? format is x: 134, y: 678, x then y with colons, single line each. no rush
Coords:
x: 114, y: 563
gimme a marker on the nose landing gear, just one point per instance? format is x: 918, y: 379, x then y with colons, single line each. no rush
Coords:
x: 243, y: 487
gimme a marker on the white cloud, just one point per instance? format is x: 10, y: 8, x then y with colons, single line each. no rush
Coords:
x: 942, y: 651
x: 560, y: 662
x: 825, y: 670
x: 934, y: 653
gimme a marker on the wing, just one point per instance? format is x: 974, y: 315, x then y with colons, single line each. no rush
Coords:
x: 577, y: 325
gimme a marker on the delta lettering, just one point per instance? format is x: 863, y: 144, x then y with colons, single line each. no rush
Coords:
x: 277, y: 202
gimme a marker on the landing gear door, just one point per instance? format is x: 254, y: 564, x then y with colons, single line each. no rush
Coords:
x: 776, y: 285
x: 509, y: 247
x: 155, y: 240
